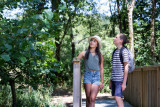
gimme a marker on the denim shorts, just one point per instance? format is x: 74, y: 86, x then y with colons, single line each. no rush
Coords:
x: 92, y: 77
x: 116, y: 88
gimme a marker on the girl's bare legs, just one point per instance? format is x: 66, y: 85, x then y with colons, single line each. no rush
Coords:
x: 87, y: 88
x: 91, y: 91
x: 94, y: 92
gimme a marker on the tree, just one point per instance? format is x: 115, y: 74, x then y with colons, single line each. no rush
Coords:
x: 112, y: 19
x: 153, y: 30
x: 119, y: 16
x: 124, y: 17
x: 24, y: 58
x: 130, y: 7
x: 55, y: 5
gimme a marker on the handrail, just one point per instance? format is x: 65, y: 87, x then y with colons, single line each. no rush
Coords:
x: 143, y: 89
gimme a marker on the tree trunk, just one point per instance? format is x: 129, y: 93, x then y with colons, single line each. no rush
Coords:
x: 130, y: 8
x: 124, y: 17
x: 153, y: 30
x: 113, y: 20
x: 12, y: 84
x: 41, y: 6
x: 73, y: 45
x: 90, y: 28
x: 119, y: 17
x: 55, y: 4
x: 58, y: 47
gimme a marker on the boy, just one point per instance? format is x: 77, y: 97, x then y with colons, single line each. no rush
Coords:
x: 119, y: 69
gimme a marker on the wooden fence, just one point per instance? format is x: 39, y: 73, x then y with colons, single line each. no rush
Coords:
x: 143, y: 89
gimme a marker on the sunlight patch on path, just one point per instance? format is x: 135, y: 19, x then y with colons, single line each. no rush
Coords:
x: 106, y: 103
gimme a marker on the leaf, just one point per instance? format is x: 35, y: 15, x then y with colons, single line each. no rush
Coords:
x: 23, y: 59
x: 22, y: 30
x: 38, y: 17
x: 49, y: 14
x: 9, y: 47
x: 62, y: 7
x: 6, y: 57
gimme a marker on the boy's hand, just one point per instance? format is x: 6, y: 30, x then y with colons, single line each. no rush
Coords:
x: 123, y: 86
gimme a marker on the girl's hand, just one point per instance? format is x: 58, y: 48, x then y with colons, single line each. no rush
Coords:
x: 101, y: 86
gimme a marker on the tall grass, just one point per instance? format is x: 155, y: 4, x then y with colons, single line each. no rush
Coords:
x: 5, y: 96
x: 36, y: 98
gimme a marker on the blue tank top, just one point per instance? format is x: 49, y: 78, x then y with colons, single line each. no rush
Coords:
x: 92, y: 63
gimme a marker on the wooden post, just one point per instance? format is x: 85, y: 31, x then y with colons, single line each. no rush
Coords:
x: 76, y: 83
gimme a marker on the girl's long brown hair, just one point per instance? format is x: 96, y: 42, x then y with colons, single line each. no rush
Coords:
x: 97, y: 52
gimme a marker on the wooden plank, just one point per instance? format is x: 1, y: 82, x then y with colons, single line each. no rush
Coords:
x: 136, y: 89
x: 140, y: 87
x: 133, y: 93
x: 132, y: 89
x: 154, y: 88
x: 158, y: 86
x: 145, y: 89
x: 138, y: 69
x: 149, y: 68
x: 149, y: 89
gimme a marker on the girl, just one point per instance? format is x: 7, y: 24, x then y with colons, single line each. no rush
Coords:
x: 93, y: 76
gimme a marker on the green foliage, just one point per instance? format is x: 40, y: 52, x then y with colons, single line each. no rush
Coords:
x: 142, y: 34
x: 36, y: 98
x: 5, y: 96
x: 27, y: 48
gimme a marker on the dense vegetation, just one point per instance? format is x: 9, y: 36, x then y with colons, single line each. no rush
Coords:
x: 38, y: 45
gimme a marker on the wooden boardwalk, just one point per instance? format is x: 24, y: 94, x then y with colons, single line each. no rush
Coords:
x: 106, y: 103
x: 104, y: 100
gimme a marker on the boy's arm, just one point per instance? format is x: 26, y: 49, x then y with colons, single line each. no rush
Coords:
x: 125, y: 76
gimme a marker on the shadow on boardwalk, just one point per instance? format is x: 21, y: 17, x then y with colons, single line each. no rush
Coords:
x: 102, y: 100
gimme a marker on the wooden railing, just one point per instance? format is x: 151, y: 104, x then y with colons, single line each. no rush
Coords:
x: 77, y: 100
x: 143, y: 88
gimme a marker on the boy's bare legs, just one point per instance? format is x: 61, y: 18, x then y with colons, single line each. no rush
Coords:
x: 119, y: 101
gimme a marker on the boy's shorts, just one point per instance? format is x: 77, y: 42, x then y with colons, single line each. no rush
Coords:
x: 117, y: 88
x: 92, y: 77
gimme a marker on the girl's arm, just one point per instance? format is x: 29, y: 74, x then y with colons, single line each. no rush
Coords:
x: 81, y: 55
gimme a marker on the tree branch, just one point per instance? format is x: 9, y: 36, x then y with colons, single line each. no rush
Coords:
x: 133, y: 3
x: 69, y: 20
x: 82, y: 40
